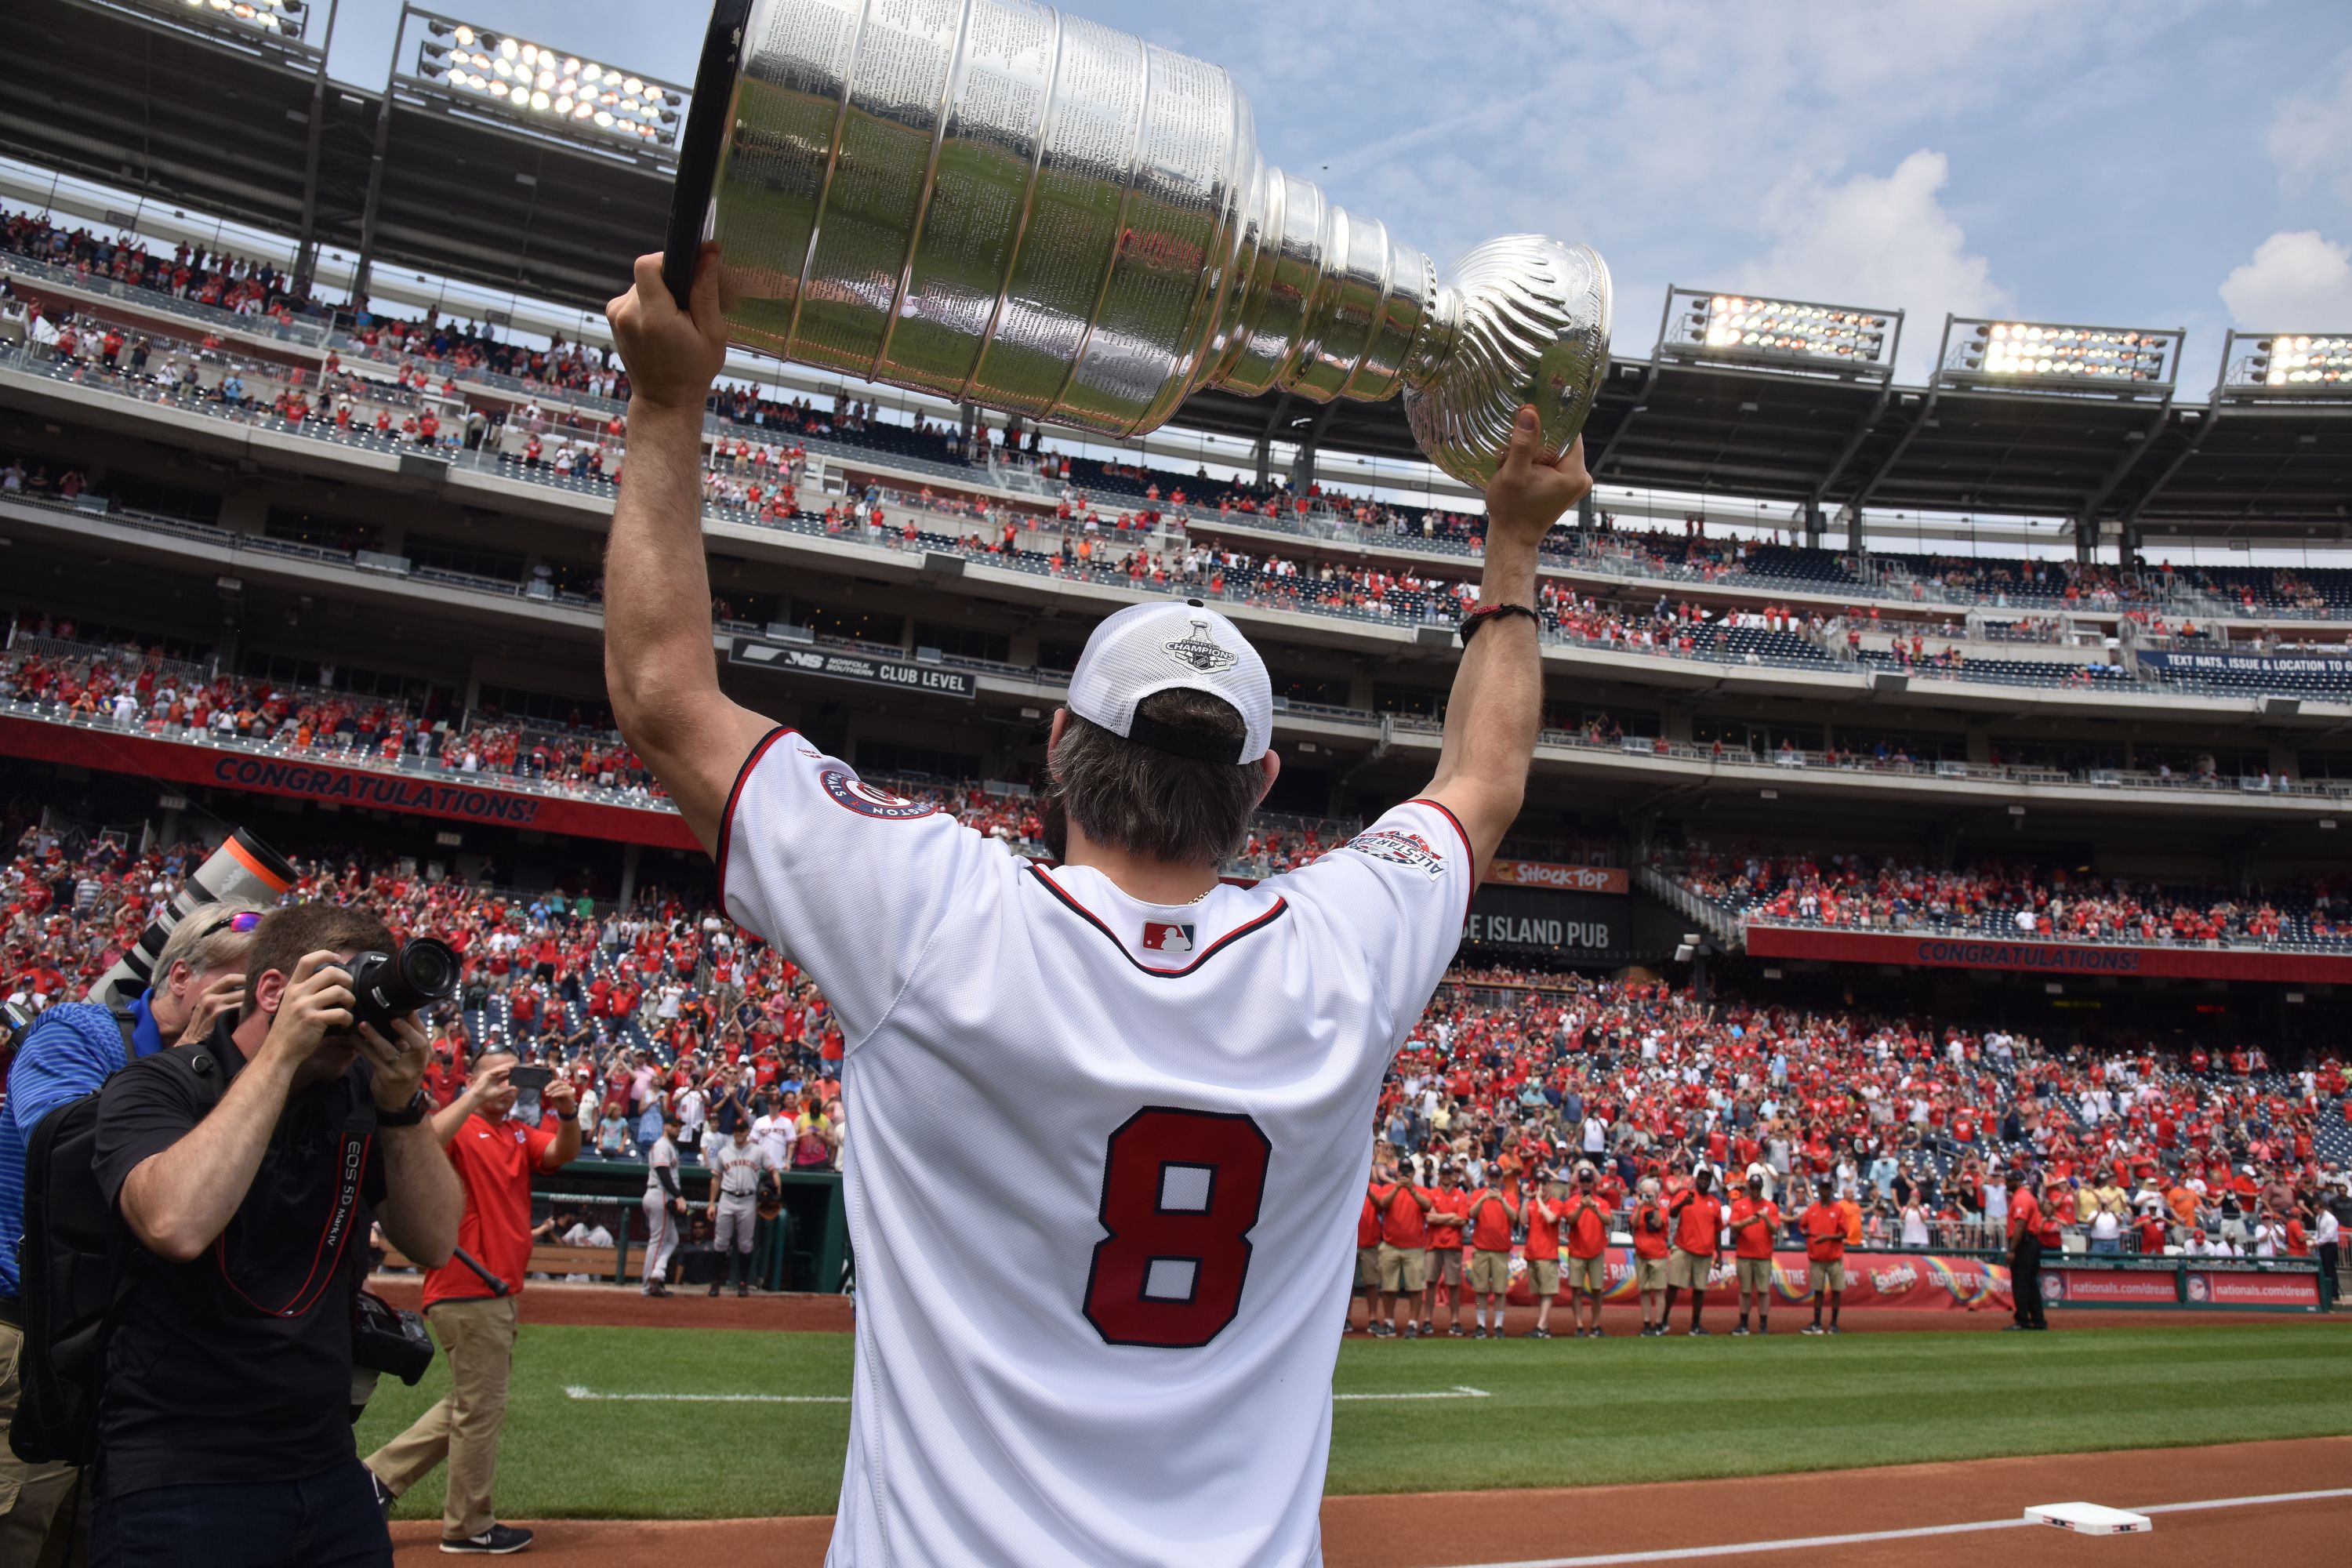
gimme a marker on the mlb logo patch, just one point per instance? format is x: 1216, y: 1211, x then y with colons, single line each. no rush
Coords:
x: 1160, y: 937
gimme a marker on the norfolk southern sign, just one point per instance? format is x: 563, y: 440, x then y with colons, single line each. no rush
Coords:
x: 1574, y: 925
x: 837, y: 664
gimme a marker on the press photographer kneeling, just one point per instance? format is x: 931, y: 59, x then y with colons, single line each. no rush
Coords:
x: 248, y: 1171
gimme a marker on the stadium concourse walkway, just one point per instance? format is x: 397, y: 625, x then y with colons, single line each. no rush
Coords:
x: 1733, y: 1521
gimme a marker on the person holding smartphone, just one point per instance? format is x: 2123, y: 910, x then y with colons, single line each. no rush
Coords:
x: 495, y: 1153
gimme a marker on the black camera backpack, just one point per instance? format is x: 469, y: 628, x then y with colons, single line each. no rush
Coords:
x: 76, y: 1264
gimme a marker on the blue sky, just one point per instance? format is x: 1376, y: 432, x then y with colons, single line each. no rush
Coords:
x: 2126, y: 162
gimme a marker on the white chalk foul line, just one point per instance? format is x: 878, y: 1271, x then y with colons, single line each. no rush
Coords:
x: 1796, y: 1543
x: 576, y: 1392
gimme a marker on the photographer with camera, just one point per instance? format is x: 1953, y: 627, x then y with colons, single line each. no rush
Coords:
x: 69, y: 1051
x: 247, y: 1170
x: 495, y: 1153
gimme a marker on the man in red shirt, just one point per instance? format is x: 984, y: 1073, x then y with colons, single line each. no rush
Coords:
x: 1545, y: 1209
x: 1404, y: 1246
x: 2032, y: 1228
x: 1824, y: 1223
x: 495, y: 1157
x: 1492, y: 1215
x: 1755, y: 1223
x: 1584, y: 1214
x: 1650, y: 1249
x: 1447, y: 1215
x: 1368, y: 1263
x: 1698, y: 1225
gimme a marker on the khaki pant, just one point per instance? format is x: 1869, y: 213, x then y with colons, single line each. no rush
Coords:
x: 480, y: 1336
x: 44, y: 1509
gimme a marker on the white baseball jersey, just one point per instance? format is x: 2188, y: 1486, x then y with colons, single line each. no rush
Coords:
x: 1108, y: 1161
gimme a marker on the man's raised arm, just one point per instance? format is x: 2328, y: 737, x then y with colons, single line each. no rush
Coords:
x: 657, y: 658
x: 1496, y: 708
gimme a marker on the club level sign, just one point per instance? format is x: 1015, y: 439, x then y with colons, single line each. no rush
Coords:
x: 834, y: 664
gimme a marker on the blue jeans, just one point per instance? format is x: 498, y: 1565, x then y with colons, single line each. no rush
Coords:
x: 327, y: 1520
x: 2105, y: 1244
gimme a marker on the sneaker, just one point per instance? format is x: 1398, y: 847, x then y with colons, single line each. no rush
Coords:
x: 1406, y: 1332
x: 1539, y: 1333
x: 1479, y: 1332
x: 1741, y: 1332
x: 1833, y: 1329
x: 1428, y: 1329
x: 383, y: 1494
x: 495, y: 1541
x: 1592, y: 1334
x: 1698, y: 1329
x: 1763, y: 1328
x: 743, y: 1289
x: 2012, y: 1328
x: 1810, y: 1329
x: 714, y: 1287
x: 1453, y: 1331
x: 656, y: 1289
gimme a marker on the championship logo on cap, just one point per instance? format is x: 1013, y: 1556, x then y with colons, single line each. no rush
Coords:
x: 1160, y: 937
x: 1196, y: 649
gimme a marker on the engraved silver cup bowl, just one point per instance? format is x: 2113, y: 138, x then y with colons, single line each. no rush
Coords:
x: 1003, y: 205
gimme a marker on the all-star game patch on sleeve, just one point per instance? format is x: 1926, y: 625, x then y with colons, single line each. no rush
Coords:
x: 1402, y: 888
x: 850, y: 880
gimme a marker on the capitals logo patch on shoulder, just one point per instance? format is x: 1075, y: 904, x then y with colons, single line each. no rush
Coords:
x: 1402, y: 848
x: 854, y: 793
x: 1159, y: 936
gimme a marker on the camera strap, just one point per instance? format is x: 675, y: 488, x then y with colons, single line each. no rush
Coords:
x: 352, y: 1147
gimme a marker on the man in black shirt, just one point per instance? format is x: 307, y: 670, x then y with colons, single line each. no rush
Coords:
x: 225, y: 1425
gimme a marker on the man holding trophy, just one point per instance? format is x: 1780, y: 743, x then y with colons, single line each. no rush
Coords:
x: 999, y: 204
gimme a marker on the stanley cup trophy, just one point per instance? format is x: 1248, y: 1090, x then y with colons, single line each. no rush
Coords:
x: 1002, y: 205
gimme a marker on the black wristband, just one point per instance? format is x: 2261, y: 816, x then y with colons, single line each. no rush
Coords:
x: 408, y: 1115
x: 1479, y: 617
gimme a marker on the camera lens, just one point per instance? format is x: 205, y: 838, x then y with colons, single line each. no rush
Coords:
x: 428, y: 968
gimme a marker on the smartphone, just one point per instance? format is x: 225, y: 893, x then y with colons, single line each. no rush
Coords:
x: 527, y: 1083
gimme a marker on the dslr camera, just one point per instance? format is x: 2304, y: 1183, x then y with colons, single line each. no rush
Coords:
x: 385, y: 985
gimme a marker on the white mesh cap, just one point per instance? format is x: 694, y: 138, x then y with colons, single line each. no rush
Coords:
x: 1149, y: 648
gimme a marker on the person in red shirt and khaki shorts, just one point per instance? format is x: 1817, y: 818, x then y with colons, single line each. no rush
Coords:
x: 1447, y: 1213
x: 1755, y: 1223
x: 495, y: 1158
x: 1404, y: 1246
x: 1650, y: 1249
x: 1367, y: 1262
x: 1824, y: 1223
x: 1492, y: 1215
x: 1698, y: 1229
x: 1585, y: 1216
x: 1545, y: 1209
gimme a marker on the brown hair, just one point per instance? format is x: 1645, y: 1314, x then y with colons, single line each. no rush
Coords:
x: 1148, y: 801
x: 285, y: 935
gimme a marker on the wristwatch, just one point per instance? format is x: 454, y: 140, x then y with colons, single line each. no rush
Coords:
x: 408, y: 1115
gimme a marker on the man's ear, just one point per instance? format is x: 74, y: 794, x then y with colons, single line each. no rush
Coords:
x: 269, y: 992
x: 1272, y: 763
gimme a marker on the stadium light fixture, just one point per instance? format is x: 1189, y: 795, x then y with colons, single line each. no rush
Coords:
x: 1793, y: 333
x: 2287, y: 365
x: 278, y: 18
x: 548, y: 87
x: 2043, y: 356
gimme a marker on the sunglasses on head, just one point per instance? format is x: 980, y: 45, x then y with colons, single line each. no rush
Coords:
x: 243, y: 921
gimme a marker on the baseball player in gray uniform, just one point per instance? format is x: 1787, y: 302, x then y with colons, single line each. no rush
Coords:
x: 735, y: 1166
x: 664, y: 1201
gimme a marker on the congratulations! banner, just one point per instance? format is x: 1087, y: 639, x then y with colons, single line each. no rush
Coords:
x: 2057, y: 959
x: 1913, y: 1280
x: 452, y: 797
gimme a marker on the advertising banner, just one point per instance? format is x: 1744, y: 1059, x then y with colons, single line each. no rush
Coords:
x: 836, y: 663
x: 1566, y: 879
x: 2067, y: 1287
x: 2237, y: 1288
x: 1575, y: 925
x: 2248, y: 664
x: 440, y: 797
x: 2055, y: 959
x: 1911, y: 1279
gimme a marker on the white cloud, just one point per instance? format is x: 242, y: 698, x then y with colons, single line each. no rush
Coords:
x: 2310, y: 137
x: 2297, y: 281
x: 1875, y: 241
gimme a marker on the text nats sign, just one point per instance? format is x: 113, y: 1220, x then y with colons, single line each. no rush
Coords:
x: 874, y: 669
x: 1566, y: 879
x: 2248, y: 664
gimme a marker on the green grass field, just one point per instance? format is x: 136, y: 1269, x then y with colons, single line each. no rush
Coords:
x: 1561, y: 1413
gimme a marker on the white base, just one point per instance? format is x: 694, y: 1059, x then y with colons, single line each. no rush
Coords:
x: 2089, y: 1519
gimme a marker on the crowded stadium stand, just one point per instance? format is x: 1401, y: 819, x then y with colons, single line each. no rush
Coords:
x: 1852, y: 850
